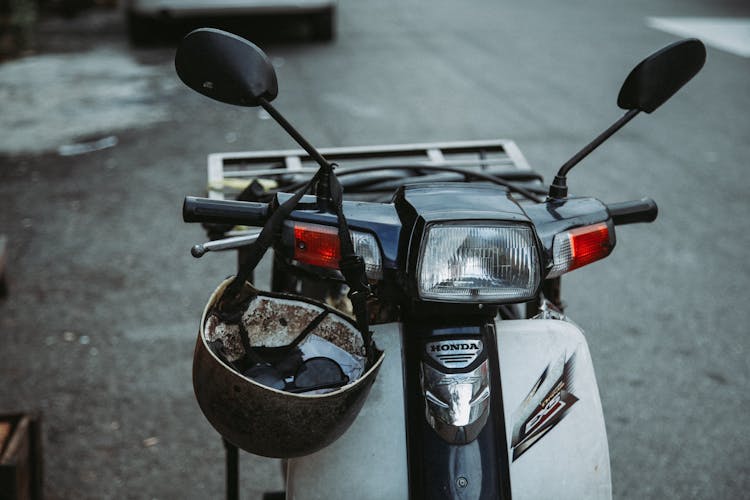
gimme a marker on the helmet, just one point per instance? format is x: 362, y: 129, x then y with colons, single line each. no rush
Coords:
x: 283, y: 378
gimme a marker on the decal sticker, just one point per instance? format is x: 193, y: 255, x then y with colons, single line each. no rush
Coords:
x: 547, y: 403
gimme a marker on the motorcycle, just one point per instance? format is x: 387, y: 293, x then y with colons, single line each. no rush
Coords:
x: 487, y: 388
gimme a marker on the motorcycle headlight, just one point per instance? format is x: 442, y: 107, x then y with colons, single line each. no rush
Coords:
x: 478, y: 262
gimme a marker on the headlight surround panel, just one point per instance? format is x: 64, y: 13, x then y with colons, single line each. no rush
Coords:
x: 478, y: 261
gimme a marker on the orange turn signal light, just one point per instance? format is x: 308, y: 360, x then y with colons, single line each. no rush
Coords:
x: 579, y: 247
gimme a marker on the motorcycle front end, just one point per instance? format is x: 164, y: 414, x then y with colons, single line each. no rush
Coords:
x: 472, y: 401
x: 487, y: 389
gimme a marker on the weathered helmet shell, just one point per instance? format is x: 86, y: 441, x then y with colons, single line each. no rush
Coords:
x: 266, y: 421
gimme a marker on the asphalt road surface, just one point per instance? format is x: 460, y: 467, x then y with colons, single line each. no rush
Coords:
x: 98, y: 329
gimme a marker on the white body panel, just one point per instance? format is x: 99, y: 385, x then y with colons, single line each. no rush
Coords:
x: 369, y: 460
x: 570, y: 461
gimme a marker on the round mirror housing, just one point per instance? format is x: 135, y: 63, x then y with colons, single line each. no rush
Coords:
x: 661, y: 74
x: 225, y: 67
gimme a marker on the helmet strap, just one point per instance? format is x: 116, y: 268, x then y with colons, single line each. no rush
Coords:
x: 352, y: 266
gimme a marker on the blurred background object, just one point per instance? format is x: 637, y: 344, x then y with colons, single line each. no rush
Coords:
x: 17, y: 24
x: 152, y: 22
x: 19, y: 20
x: 149, y: 20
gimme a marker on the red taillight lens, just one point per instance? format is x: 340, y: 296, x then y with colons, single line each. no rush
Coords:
x: 579, y: 247
x: 317, y: 246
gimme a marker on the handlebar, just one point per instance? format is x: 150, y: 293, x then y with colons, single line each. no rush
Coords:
x: 630, y: 212
x: 248, y: 213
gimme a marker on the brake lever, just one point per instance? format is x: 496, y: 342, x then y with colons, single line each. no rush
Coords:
x: 232, y: 243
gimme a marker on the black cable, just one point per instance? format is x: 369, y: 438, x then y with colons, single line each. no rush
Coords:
x: 467, y: 173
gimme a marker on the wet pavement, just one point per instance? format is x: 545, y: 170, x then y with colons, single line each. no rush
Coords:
x: 98, y: 330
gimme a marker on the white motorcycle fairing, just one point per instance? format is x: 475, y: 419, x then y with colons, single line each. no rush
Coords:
x: 557, y: 444
x: 553, y: 414
x: 369, y: 460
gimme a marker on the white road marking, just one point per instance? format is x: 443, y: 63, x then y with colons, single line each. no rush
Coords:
x: 729, y: 34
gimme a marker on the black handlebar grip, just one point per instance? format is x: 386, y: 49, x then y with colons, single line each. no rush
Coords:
x: 246, y: 213
x: 631, y: 212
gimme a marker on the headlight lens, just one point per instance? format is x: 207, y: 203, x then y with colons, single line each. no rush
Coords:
x: 481, y: 262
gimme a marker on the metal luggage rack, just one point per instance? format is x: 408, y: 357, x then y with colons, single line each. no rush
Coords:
x: 230, y: 173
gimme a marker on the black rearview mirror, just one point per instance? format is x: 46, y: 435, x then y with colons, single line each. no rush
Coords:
x: 647, y: 87
x: 225, y: 67
x: 661, y: 74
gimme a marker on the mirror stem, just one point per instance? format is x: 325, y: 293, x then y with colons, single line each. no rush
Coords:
x: 293, y: 132
x: 323, y: 189
x: 558, y: 189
